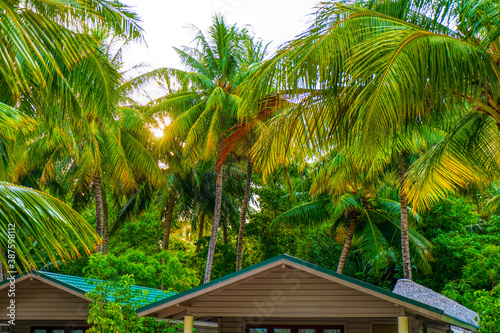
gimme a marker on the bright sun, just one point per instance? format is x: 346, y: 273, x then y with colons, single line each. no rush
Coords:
x: 162, y: 123
x: 158, y: 132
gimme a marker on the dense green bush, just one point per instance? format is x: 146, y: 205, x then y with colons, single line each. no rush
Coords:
x: 114, y: 303
x: 487, y: 306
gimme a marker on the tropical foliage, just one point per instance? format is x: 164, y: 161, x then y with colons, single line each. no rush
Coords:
x: 368, y: 145
x: 119, y: 315
x: 207, y: 104
x: 46, y: 55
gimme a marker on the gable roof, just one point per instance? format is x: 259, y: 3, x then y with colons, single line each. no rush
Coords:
x: 285, y: 259
x: 78, y: 286
x: 424, y: 295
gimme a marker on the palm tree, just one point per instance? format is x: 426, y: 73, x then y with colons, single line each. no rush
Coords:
x: 348, y: 197
x: 33, y: 67
x: 107, y: 148
x: 35, y: 63
x: 256, y: 53
x: 243, y: 213
x: 176, y: 174
x: 29, y: 50
x: 372, y: 84
x: 112, y: 155
x: 344, y: 173
x: 468, y: 154
x: 396, y: 154
x: 242, y: 137
x: 207, y: 106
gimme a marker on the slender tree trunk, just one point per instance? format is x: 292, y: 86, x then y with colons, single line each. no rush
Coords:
x: 224, y: 233
x: 105, y: 232
x: 215, y: 226
x: 347, y: 244
x: 168, y: 221
x: 405, y: 244
x: 166, y: 230
x: 98, y: 208
x: 200, y: 230
x: 243, y: 214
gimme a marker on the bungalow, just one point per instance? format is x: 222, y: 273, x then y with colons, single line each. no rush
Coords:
x: 281, y: 295
x: 288, y: 295
x: 47, y: 302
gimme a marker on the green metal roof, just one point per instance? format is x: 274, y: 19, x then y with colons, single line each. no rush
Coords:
x: 309, y: 265
x: 78, y: 284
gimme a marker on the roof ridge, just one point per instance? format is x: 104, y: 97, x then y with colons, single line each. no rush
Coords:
x: 302, y: 262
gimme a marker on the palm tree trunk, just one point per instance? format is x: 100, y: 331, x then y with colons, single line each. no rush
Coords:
x: 168, y: 221
x: 105, y: 234
x: 405, y: 244
x: 243, y: 214
x: 200, y: 230
x: 215, y: 226
x: 98, y: 207
x: 224, y: 233
x: 347, y: 244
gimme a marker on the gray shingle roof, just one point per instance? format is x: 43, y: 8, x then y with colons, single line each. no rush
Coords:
x: 427, y: 296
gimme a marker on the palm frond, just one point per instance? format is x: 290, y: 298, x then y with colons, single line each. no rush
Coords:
x: 311, y: 213
x: 41, y: 224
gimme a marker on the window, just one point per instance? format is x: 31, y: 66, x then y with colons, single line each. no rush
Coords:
x: 294, y: 329
x: 257, y: 330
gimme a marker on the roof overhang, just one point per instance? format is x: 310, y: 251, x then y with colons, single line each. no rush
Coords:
x: 458, y: 322
x: 39, y: 276
x: 179, y: 301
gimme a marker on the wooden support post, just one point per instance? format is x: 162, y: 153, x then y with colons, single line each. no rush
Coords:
x: 403, y: 325
x: 188, y: 324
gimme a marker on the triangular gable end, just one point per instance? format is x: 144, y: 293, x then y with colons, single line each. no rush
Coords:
x: 20, y: 280
x: 285, y: 286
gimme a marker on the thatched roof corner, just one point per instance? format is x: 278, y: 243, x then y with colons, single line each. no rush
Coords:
x: 427, y: 296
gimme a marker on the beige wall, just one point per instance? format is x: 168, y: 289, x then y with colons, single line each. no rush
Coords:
x: 36, y: 300
x: 284, y: 292
x: 418, y: 323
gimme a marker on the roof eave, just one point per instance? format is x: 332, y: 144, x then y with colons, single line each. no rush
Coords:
x: 72, y: 289
x: 214, y: 284
x: 409, y: 303
x: 48, y: 280
x: 459, y: 322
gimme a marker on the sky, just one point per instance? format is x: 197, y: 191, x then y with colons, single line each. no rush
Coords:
x: 166, y: 24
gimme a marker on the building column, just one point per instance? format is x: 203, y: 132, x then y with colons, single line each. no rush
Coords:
x: 403, y: 325
x: 219, y: 325
x: 188, y: 324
